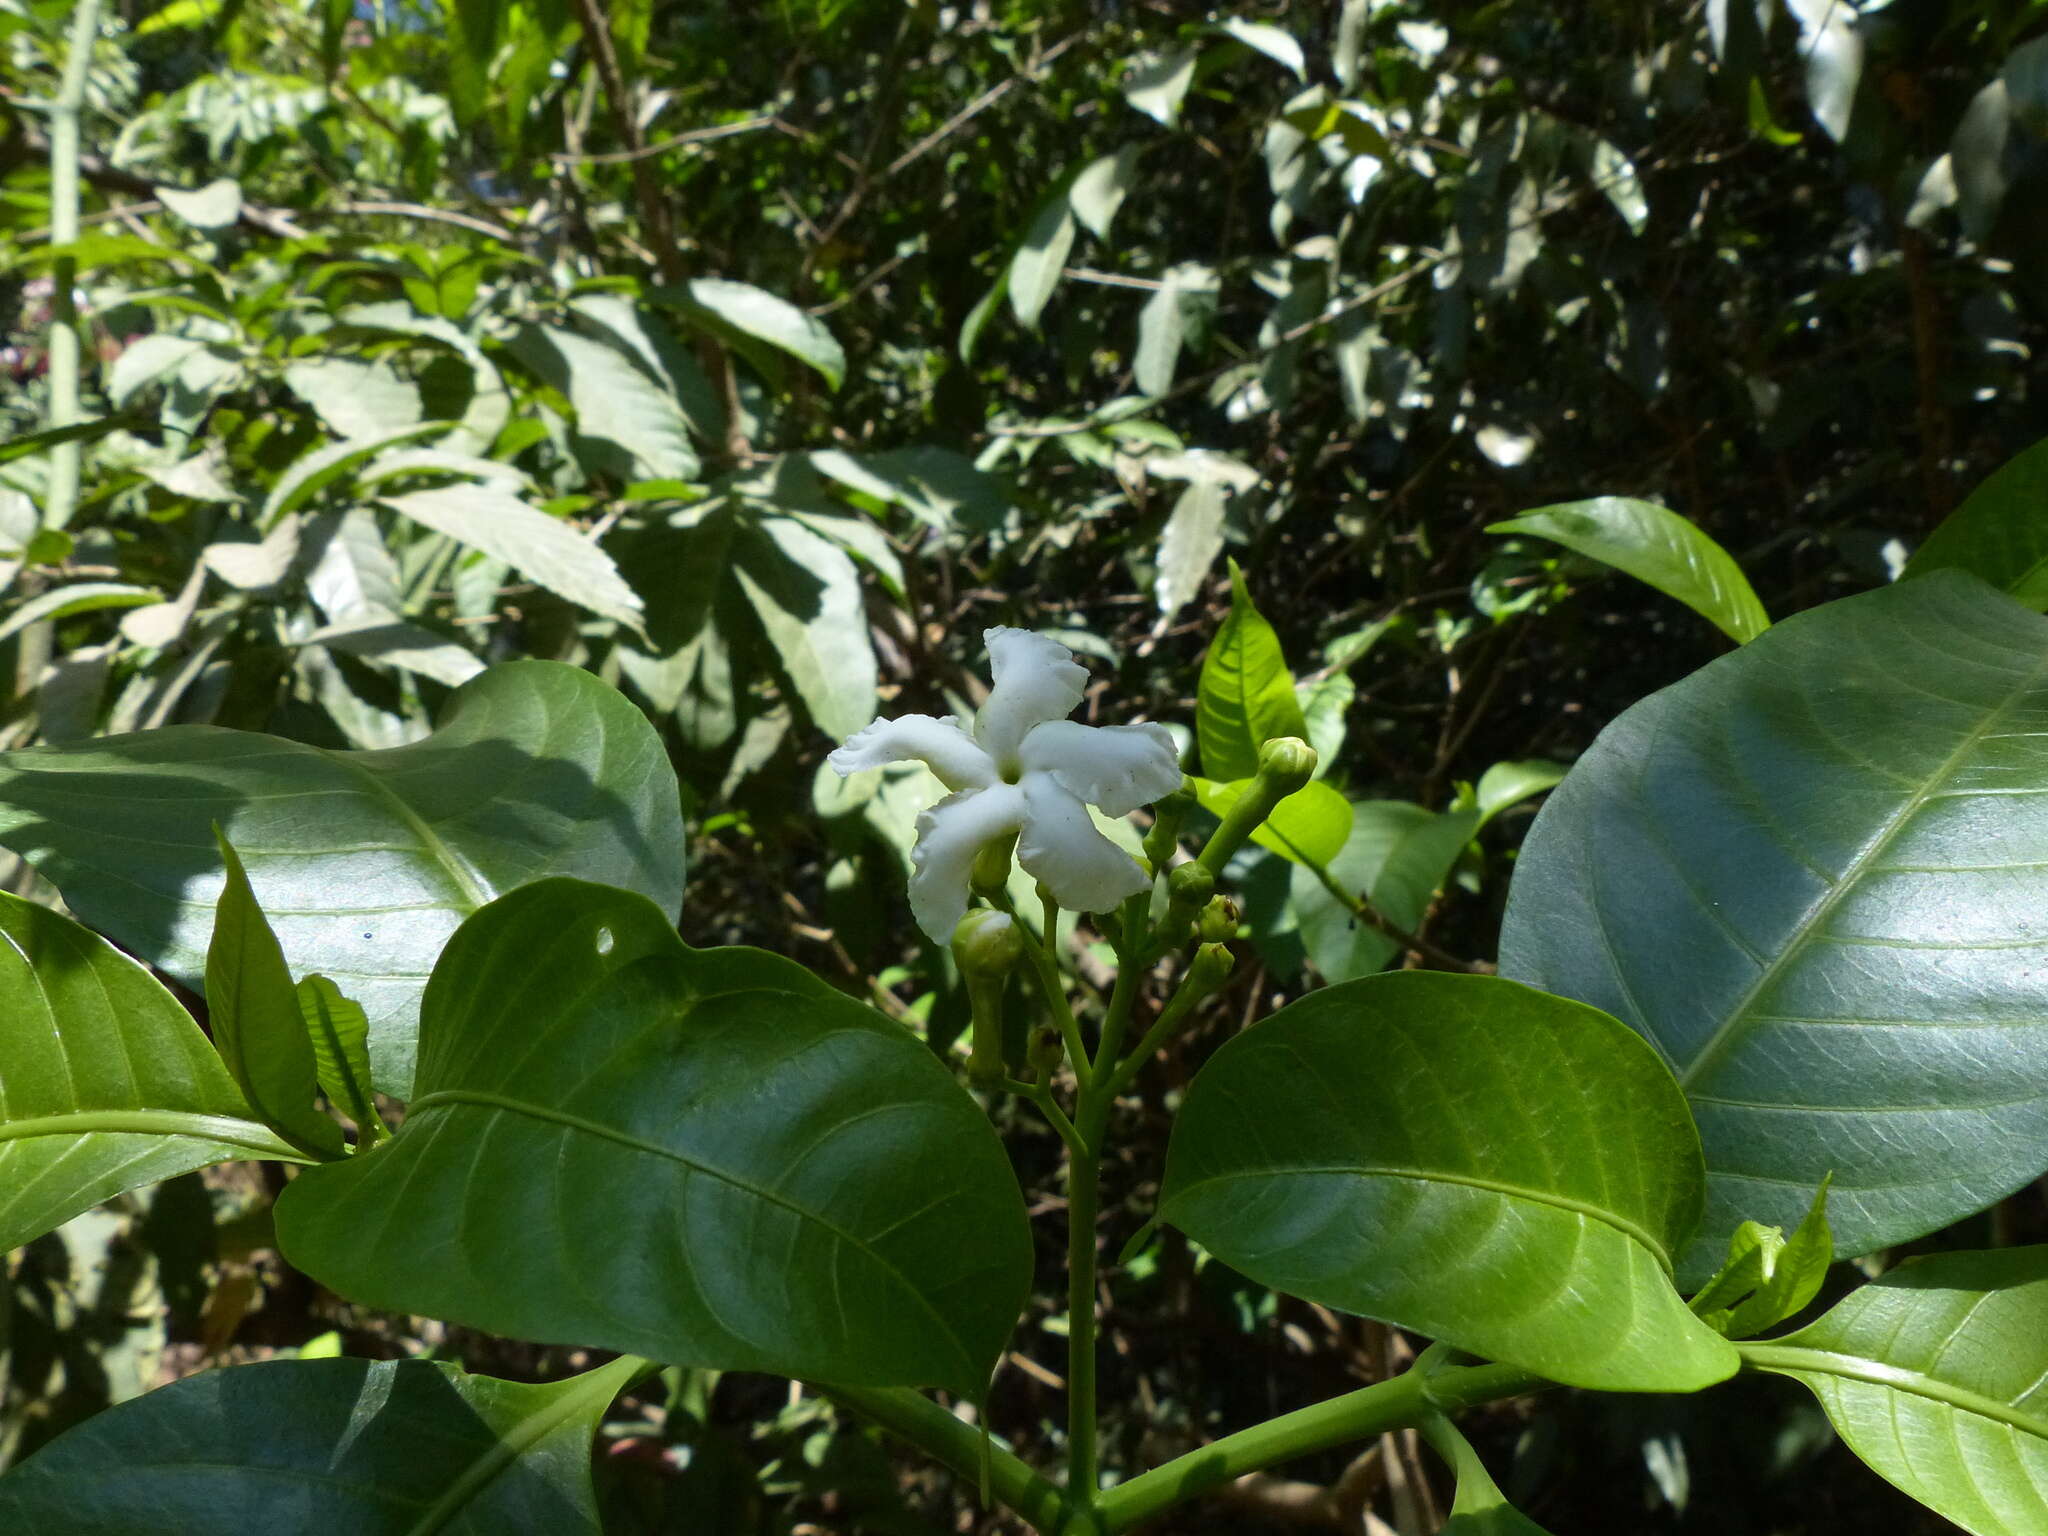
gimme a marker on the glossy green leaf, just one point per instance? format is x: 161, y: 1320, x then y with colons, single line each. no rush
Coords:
x: 1510, y: 783
x: 1815, y: 874
x: 1937, y: 1376
x: 546, y: 550
x: 2000, y: 533
x: 254, y: 1011
x: 365, y: 861
x: 708, y: 1157
x: 806, y: 592
x: 339, y: 1032
x: 1308, y: 827
x: 1398, y: 857
x: 1509, y: 1172
x: 108, y: 1083
x: 1246, y: 695
x: 1657, y: 547
x: 342, y: 1447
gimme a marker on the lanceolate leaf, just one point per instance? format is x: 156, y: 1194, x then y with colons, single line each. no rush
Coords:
x: 1815, y: 875
x: 365, y: 861
x: 254, y: 1011
x: 339, y: 1032
x: 1246, y: 696
x: 343, y: 1447
x: 1658, y: 547
x: 806, y: 592
x: 1510, y: 1172
x: 707, y: 1157
x: 2000, y: 533
x: 107, y: 1082
x: 1937, y: 1376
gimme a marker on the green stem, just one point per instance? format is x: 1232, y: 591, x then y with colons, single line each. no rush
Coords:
x: 913, y: 1417
x: 1046, y: 968
x: 1056, y: 1117
x: 1084, y: 1199
x: 62, y: 497
x: 1414, y: 1397
x: 1196, y: 987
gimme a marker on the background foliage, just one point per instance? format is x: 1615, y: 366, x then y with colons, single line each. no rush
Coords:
x: 757, y: 357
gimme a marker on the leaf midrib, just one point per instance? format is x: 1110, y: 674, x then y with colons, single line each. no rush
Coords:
x: 230, y: 1130
x: 444, y: 1098
x: 1790, y: 1359
x: 1737, y: 1022
x: 1607, y: 1218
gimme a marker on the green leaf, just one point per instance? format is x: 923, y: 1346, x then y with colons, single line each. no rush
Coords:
x: 1276, y: 43
x: 490, y: 405
x: 2000, y: 533
x: 74, y: 598
x: 616, y: 403
x: 1308, y: 827
x: 1101, y: 187
x: 33, y: 443
x: 546, y: 550
x: 537, y: 769
x: 257, y: 1027
x: 978, y: 317
x: 1937, y: 1376
x: 704, y: 1156
x: 1479, y: 1508
x: 1658, y: 547
x: 1041, y: 258
x: 1812, y: 875
x: 109, y: 1084
x: 339, y: 1031
x: 1768, y: 1277
x: 1246, y: 696
x: 1157, y: 85
x: 668, y: 359
x: 217, y: 205
x: 474, y: 30
x: 1615, y: 175
x: 145, y: 361
x: 344, y: 1447
x: 1506, y: 1171
x: 806, y: 593
x: 1510, y: 783
x: 1833, y: 51
x: 356, y: 399
x: 753, y: 312
x: 311, y: 473
x: 1189, y: 544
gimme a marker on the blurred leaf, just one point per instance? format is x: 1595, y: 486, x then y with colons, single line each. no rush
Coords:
x: 1937, y: 1377
x: 474, y: 28
x: 355, y: 399
x: 761, y: 315
x: 806, y: 593
x: 1507, y: 784
x: 537, y: 769
x: 1036, y: 268
x: 217, y: 205
x: 1189, y: 545
x: 74, y: 598
x: 347, y: 1447
x: 1157, y: 86
x: 616, y: 402
x: 733, y: 1126
x: 1476, y: 1161
x: 1833, y: 50
x: 1657, y: 547
x: 1101, y: 187
x: 110, y: 1085
x: 1276, y: 43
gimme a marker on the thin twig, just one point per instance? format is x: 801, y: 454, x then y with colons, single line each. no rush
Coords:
x: 678, y: 141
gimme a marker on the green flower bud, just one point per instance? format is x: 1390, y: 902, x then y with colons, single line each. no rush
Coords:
x: 987, y: 946
x: 990, y: 875
x: 1047, y: 1050
x: 1286, y: 763
x: 1219, y: 920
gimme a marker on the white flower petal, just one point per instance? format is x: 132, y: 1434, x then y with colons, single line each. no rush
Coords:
x: 949, y: 835
x: 940, y: 743
x: 1118, y: 767
x: 1061, y: 846
x: 1035, y: 679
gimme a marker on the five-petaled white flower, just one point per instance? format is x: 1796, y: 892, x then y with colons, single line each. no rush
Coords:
x: 1025, y: 769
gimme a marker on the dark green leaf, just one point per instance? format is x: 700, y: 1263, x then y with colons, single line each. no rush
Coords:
x: 1814, y: 875
x: 707, y: 1157
x: 108, y: 1082
x: 342, y: 1447
x: 340, y: 1034
x: 254, y: 1011
x: 1937, y: 1376
x: 366, y: 861
x: 1656, y: 546
x: 1509, y: 1172
x: 806, y: 592
x: 2000, y: 533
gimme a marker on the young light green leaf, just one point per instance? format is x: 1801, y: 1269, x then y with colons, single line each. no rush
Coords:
x: 1246, y: 695
x: 1807, y: 874
x: 1767, y: 1277
x: 345, y: 1447
x: 340, y: 1034
x: 708, y: 1157
x: 1041, y: 258
x: 109, y: 1084
x: 1510, y: 783
x: 806, y: 593
x: 1478, y: 1508
x: 1999, y: 533
x: 1937, y: 1377
x: 537, y: 769
x: 1657, y: 547
x: 257, y: 1027
x: 1509, y: 1172
x: 545, y: 549
x: 1308, y: 827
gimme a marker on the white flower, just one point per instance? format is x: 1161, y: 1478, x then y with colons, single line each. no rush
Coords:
x: 1025, y: 769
